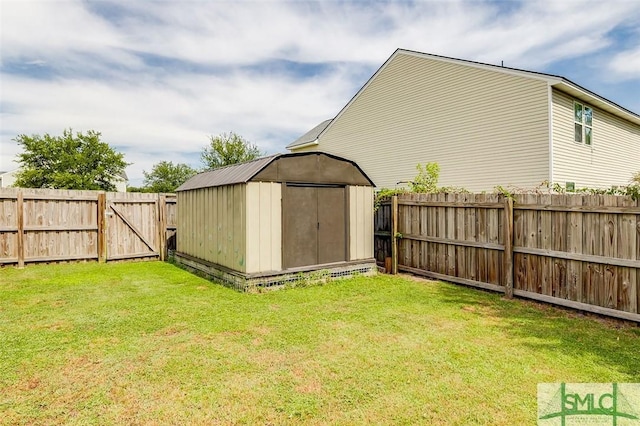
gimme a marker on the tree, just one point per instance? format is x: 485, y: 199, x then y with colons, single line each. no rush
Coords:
x: 136, y: 189
x: 166, y: 176
x: 82, y: 161
x: 226, y: 149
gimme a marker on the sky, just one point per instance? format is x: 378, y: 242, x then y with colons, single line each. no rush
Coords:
x: 158, y: 78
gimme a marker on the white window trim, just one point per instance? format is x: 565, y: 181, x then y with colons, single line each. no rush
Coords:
x: 583, y: 123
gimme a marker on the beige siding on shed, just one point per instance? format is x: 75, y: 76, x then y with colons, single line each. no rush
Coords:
x: 360, y: 222
x: 264, y: 227
x: 484, y: 128
x: 212, y: 224
x: 612, y: 158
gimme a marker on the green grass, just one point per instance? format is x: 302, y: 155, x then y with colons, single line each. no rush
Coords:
x: 148, y: 343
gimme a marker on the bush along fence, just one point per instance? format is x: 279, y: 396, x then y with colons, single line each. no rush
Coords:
x: 45, y: 225
x: 577, y: 251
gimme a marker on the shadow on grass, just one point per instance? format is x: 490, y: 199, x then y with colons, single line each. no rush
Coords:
x: 546, y: 328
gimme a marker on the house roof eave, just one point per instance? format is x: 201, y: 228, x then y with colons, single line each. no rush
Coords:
x: 579, y: 92
x: 310, y: 137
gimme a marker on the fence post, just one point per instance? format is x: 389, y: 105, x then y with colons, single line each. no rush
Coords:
x: 20, y: 218
x: 162, y: 224
x: 102, y: 234
x: 508, y: 247
x: 394, y: 232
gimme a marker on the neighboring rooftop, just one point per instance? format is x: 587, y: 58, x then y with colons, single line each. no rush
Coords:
x: 311, y: 136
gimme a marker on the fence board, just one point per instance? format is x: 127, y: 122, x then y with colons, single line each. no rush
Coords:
x: 494, y: 263
x: 20, y: 231
x: 460, y: 250
x: 559, y: 243
x: 545, y: 221
x: 470, y: 234
x: 481, y: 226
x: 414, y: 228
x: 574, y: 245
x: 507, y: 234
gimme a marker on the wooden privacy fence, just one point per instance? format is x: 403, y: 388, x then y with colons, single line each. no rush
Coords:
x: 44, y: 225
x: 579, y: 251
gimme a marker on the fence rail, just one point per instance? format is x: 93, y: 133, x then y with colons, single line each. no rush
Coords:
x: 44, y: 225
x: 580, y: 251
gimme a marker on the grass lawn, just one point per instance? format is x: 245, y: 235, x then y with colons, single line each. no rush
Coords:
x: 148, y: 343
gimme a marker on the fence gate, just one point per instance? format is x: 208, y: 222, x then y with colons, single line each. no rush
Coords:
x: 132, y: 230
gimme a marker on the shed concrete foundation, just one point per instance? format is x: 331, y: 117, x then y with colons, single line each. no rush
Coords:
x: 256, y: 283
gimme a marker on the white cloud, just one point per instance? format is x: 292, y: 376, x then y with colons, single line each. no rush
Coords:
x: 157, y: 77
x: 626, y: 64
x: 175, y: 117
x: 63, y: 32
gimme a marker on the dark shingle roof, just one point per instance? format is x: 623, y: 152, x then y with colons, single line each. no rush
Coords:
x: 311, y: 135
x: 290, y: 167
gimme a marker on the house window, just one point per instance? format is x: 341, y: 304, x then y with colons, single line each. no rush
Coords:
x: 583, y: 123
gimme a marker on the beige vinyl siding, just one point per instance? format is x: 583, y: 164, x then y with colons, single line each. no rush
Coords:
x: 483, y: 127
x: 264, y: 227
x: 212, y: 224
x: 611, y: 159
x: 360, y: 222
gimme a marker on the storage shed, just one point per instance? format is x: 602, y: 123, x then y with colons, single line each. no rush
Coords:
x: 276, y: 220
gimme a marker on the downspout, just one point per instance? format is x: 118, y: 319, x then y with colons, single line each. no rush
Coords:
x: 550, y: 96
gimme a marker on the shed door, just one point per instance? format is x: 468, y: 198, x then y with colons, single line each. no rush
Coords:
x: 314, y: 225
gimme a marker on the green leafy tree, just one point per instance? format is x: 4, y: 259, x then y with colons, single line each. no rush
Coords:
x: 427, y: 178
x: 80, y: 161
x: 166, y: 176
x: 226, y: 149
x: 135, y: 189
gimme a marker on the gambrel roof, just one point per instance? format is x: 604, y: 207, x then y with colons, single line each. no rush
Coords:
x: 228, y: 175
x: 304, y: 167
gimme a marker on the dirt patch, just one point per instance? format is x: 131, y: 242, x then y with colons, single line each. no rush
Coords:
x: 417, y: 278
x: 308, y: 383
x: 59, y: 326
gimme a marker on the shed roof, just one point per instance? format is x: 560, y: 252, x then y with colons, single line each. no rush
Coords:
x: 228, y: 175
x: 304, y: 167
